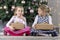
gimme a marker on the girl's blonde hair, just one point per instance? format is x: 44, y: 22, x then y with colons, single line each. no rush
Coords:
x: 44, y: 8
x: 16, y: 9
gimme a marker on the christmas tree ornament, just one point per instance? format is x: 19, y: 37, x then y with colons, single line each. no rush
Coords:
x: 44, y: 0
x: 25, y: 11
x: 41, y: 1
x: 34, y: 0
x: 36, y: 4
x: 33, y: 3
x: 23, y: 2
x: 15, y: 0
x: 0, y: 7
x: 29, y: 7
x: 13, y: 7
x: 5, y: 7
x: 7, y: 12
x: 31, y: 11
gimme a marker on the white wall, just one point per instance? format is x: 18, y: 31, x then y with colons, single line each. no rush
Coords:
x: 55, y: 5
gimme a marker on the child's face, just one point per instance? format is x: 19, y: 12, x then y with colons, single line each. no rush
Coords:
x: 41, y: 12
x: 19, y: 11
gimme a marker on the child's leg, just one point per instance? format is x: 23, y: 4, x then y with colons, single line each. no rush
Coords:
x: 12, y: 32
x: 22, y: 31
x: 27, y: 31
x: 33, y: 32
x: 6, y: 29
x: 5, y: 33
x: 54, y: 33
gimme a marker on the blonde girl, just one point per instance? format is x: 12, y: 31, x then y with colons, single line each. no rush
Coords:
x: 43, y: 17
x: 17, y: 17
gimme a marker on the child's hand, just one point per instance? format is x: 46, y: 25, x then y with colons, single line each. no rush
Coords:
x: 33, y: 27
x: 44, y: 23
x: 11, y: 28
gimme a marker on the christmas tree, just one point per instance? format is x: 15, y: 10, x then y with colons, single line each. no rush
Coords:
x: 30, y: 8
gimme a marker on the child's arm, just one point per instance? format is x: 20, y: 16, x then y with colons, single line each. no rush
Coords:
x: 50, y: 20
x: 10, y: 21
x: 35, y: 21
x: 25, y: 22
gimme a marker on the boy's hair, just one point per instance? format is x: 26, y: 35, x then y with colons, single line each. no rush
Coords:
x: 16, y: 9
x: 44, y: 8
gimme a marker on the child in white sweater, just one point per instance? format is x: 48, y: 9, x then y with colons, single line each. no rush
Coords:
x: 18, y: 17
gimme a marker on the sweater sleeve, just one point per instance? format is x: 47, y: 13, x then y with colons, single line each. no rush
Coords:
x: 10, y: 21
x: 35, y: 21
x: 25, y: 22
x: 50, y: 20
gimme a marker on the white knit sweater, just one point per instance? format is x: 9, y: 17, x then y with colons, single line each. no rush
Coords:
x: 16, y: 19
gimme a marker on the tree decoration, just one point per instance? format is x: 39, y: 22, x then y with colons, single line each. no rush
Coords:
x: 15, y: 0
x: 41, y: 1
x: 5, y: 7
x: 34, y: 0
x: 0, y: 7
x: 36, y: 4
x: 7, y: 12
x: 33, y: 3
x: 29, y: 7
x: 45, y: 0
x: 23, y: 2
x: 31, y: 11
x: 13, y: 7
x: 25, y: 11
